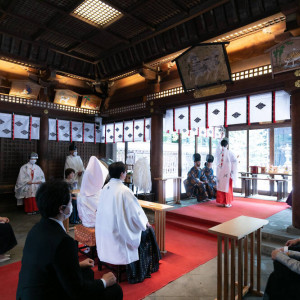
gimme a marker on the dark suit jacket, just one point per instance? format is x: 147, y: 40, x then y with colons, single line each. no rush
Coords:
x: 50, y: 267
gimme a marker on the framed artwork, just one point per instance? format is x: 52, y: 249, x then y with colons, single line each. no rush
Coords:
x: 203, y: 65
x: 91, y: 102
x: 66, y: 97
x: 285, y: 56
x: 24, y: 89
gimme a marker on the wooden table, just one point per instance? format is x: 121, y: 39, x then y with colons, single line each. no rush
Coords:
x: 162, y: 189
x: 160, y: 221
x: 272, y: 175
x: 237, y: 231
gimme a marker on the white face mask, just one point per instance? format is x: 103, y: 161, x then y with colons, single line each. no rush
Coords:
x: 75, y: 153
x: 68, y: 208
x: 32, y: 161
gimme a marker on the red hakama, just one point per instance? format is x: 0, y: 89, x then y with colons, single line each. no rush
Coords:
x: 225, y: 198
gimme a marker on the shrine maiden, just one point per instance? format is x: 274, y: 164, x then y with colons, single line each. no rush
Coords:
x: 29, y: 179
x: 226, y: 173
x: 92, y: 183
x: 73, y: 161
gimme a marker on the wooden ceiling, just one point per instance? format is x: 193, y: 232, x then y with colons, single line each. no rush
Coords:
x: 46, y: 34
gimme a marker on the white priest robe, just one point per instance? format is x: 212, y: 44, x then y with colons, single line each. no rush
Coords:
x: 92, y: 183
x: 120, y: 221
x: 28, y: 172
x: 75, y: 163
x: 226, y: 168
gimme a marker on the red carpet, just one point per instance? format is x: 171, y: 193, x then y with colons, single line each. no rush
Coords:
x: 187, y: 248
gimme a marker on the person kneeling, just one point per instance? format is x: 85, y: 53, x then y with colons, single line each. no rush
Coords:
x: 123, y: 233
x: 50, y: 267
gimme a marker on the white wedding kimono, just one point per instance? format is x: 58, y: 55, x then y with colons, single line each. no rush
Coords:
x: 75, y: 162
x: 22, y: 188
x: 226, y: 168
x: 88, y: 198
x: 120, y: 221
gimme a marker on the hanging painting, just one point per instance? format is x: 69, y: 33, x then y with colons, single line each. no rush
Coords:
x: 66, y: 97
x: 203, y: 65
x: 91, y: 102
x: 285, y: 56
x: 24, y: 89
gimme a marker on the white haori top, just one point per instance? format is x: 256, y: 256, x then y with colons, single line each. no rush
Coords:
x: 226, y: 168
x: 120, y: 221
x: 75, y: 163
x: 28, y: 172
x: 92, y: 183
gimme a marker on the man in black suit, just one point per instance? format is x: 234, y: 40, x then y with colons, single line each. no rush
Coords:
x: 50, y: 267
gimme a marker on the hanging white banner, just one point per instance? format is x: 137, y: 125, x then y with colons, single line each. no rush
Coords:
x: 98, y: 133
x: 182, y: 119
x: 198, y: 116
x: 76, y: 131
x: 237, y: 111
x: 282, y: 106
x: 5, y: 125
x: 109, y: 133
x: 103, y: 130
x: 216, y: 114
x: 63, y: 130
x: 261, y: 108
x: 168, y: 121
x: 21, y: 127
x: 119, y: 132
x: 148, y: 129
x: 128, y: 131
x: 89, y: 132
x: 138, y: 130
x: 52, y: 130
x: 35, y: 128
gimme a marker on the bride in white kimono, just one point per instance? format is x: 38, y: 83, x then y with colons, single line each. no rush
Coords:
x: 88, y: 198
x: 29, y: 179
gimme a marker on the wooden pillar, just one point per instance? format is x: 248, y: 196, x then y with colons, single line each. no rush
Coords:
x: 156, y: 151
x: 295, y: 116
x: 43, y: 144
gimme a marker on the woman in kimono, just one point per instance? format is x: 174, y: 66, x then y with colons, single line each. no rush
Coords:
x: 208, y: 172
x: 29, y: 179
x: 226, y: 174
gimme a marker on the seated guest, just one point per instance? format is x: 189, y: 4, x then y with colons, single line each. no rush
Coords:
x: 69, y: 179
x: 195, y: 184
x: 50, y: 267
x: 92, y: 183
x: 123, y: 233
x: 283, y: 283
x: 211, y: 187
x: 7, y: 239
x: 29, y: 179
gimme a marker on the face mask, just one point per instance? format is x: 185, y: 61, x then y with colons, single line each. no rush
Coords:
x: 32, y: 161
x: 69, y: 208
x: 75, y: 153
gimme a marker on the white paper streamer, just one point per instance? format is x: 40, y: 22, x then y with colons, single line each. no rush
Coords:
x: 89, y: 129
x: 237, y: 111
x: 182, y: 119
x: 168, y: 121
x: 35, y: 128
x: 63, y: 130
x: 5, y: 125
x: 21, y: 127
x: 282, y: 106
x: 52, y: 130
x: 139, y: 130
x: 76, y: 131
x: 119, y: 132
x: 261, y: 108
x: 216, y: 114
x: 128, y: 131
x: 110, y: 133
x: 148, y: 129
x: 198, y: 116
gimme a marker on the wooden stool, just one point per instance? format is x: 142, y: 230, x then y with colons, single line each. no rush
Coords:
x: 86, y: 236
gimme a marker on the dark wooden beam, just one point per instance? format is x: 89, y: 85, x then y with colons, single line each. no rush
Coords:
x: 130, y: 15
x: 198, y: 11
x: 181, y: 6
